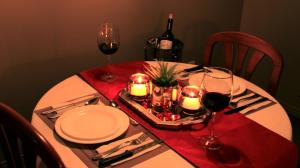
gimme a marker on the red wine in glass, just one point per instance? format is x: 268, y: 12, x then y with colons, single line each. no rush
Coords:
x: 108, y: 49
x: 214, y: 101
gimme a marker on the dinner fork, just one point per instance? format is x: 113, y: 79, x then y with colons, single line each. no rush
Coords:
x: 136, y: 141
x: 235, y: 104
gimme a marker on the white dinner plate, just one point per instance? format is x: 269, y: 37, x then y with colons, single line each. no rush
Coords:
x: 91, y: 124
x: 238, y: 85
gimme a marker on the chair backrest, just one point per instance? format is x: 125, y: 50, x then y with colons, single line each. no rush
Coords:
x: 22, y: 143
x: 243, y: 52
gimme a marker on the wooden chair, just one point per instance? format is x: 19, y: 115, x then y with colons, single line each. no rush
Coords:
x: 22, y: 143
x: 243, y: 52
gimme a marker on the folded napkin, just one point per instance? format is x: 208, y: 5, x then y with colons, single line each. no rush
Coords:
x: 104, y: 148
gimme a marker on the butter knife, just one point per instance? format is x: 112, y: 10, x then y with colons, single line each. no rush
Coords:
x: 238, y: 109
x: 128, y: 153
x: 70, y: 103
x: 196, y: 68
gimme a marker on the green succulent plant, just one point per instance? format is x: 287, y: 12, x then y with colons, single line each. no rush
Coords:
x: 162, y: 74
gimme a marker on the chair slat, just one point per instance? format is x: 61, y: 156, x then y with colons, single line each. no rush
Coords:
x: 242, y: 51
x: 255, y: 58
x: 228, y: 54
x: 5, y: 145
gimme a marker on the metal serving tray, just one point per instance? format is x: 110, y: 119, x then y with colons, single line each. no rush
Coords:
x: 147, y: 113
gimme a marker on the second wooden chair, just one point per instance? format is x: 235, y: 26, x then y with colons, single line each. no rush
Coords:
x: 243, y: 52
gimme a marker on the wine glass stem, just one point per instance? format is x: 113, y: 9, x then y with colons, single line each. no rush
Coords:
x: 108, y: 59
x: 108, y: 74
x: 212, y: 125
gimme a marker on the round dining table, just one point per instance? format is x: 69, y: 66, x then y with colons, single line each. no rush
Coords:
x: 273, y: 118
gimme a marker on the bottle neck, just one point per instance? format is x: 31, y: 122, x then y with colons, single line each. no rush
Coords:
x: 170, y: 25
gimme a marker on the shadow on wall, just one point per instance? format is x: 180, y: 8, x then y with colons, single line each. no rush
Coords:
x: 195, y: 37
x: 23, y: 85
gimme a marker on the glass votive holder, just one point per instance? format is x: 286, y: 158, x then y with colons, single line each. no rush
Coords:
x: 139, y: 86
x: 190, y: 100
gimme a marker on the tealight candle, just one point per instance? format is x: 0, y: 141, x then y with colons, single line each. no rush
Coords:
x: 139, y: 85
x: 191, y: 98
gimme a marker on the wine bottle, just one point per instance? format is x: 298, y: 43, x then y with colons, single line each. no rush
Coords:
x: 166, y: 40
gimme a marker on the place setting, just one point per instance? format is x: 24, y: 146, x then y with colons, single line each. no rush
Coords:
x: 90, y: 129
x: 244, y: 100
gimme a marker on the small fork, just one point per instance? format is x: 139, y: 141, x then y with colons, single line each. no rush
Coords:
x: 136, y: 141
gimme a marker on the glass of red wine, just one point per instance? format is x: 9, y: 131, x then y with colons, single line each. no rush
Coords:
x: 217, y: 89
x: 108, y: 40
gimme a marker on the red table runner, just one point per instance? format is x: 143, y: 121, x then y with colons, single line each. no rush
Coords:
x: 246, y: 143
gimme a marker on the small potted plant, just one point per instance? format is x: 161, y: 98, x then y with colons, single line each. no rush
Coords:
x: 164, y: 80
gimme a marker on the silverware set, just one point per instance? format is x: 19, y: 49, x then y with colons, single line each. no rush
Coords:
x: 235, y: 103
x: 186, y: 72
x: 132, y: 142
x: 87, y: 99
x: 128, y: 153
x: 56, y: 112
x: 105, y: 159
x: 258, y: 99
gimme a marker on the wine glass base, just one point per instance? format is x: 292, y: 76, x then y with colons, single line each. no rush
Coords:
x: 210, y: 143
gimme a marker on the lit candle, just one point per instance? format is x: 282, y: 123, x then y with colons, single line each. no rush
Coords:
x: 138, y: 84
x: 190, y: 99
x: 174, y: 94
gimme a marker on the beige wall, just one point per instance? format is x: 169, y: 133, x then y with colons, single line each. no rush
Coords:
x: 278, y: 23
x: 43, y: 42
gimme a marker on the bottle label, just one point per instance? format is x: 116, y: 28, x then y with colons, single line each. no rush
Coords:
x: 165, y: 44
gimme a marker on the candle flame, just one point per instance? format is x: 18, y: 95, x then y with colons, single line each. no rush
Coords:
x: 192, y: 94
x: 139, y: 79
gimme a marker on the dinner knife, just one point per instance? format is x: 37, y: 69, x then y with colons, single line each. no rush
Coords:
x: 128, y: 153
x: 238, y: 109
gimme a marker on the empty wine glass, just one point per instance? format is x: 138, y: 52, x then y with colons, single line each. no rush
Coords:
x: 217, y: 89
x: 108, y: 40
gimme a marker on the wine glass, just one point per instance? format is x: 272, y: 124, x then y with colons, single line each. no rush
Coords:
x: 108, y: 40
x: 217, y: 89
